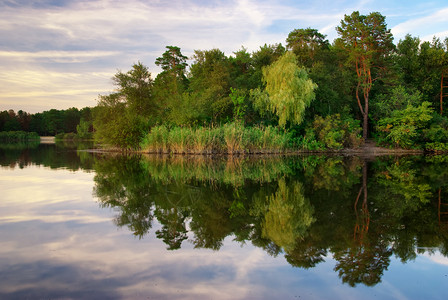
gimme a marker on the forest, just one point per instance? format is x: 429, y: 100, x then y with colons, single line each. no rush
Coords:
x: 307, y: 95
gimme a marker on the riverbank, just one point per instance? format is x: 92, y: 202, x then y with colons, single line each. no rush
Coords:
x: 368, y: 149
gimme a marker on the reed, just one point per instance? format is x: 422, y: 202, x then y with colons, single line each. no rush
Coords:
x: 231, y: 138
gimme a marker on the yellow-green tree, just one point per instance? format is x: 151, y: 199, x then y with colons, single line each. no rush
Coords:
x: 289, y: 91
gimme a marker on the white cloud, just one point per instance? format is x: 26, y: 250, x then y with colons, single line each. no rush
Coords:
x: 423, y: 26
x: 437, y: 258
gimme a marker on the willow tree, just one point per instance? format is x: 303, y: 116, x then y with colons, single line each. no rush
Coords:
x: 368, y: 43
x: 289, y: 91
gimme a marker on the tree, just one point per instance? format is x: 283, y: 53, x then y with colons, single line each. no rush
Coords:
x: 135, y: 87
x: 173, y: 61
x: 210, y: 84
x: 306, y: 44
x: 368, y: 43
x: 264, y: 57
x: 170, y: 84
x: 289, y: 91
x: 71, y: 119
x: 120, y: 119
x: 116, y: 125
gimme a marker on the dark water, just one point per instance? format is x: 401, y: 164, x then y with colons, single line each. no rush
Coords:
x: 80, y: 225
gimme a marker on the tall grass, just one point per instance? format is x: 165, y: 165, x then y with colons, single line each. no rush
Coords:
x: 231, y: 138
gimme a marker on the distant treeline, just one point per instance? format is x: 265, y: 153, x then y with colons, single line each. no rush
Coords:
x: 48, y: 123
x: 18, y: 136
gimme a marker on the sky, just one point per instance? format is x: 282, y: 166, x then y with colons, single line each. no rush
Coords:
x: 62, y: 54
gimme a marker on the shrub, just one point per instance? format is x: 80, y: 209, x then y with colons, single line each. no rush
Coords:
x: 334, y: 132
x: 436, y: 147
x: 404, y: 127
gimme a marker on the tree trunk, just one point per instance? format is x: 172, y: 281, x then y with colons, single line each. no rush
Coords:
x: 365, y: 126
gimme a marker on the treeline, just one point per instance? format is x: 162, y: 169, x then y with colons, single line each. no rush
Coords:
x: 323, y: 95
x: 49, y: 123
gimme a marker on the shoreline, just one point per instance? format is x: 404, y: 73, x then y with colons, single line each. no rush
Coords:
x: 361, y: 151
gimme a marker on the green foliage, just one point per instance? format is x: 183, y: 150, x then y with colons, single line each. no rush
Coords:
x: 115, y: 125
x: 306, y: 44
x: 173, y: 60
x: 289, y: 89
x: 83, y: 130
x: 404, y: 127
x: 18, y: 136
x: 121, y: 119
x: 436, y: 147
x: 368, y: 43
x: 335, y: 132
x: 238, y: 98
x: 436, y: 136
x: 135, y: 88
x: 210, y: 85
x: 398, y: 99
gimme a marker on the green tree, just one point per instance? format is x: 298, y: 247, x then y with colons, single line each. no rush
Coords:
x: 264, y: 57
x: 306, y: 45
x: 170, y: 84
x: 369, y: 44
x: 71, y: 119
x: 83, y: 129
x: 420, y: 65
x: 115, y: 125
x: 121, y: 119
x: 408, y: 61
x: 10, y: 121
x: 289, y: 91
x: 210, y: 83
x: 173, y: 61
x: 135, y: 89
x: 242, y: 70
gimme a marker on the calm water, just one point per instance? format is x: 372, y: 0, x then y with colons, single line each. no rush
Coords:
x: 78, y: 225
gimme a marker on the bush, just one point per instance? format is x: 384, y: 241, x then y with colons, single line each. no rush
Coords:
x: 333, y: 132
x: 404, y: 128
x: 436, y: 147
x: 59, y: 136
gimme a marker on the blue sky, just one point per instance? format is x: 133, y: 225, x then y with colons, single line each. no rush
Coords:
x: 62, y: 54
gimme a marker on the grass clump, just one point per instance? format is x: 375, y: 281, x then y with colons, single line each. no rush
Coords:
x: 231, y: 138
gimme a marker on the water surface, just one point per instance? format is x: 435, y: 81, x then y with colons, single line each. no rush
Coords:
x: 79, y: 225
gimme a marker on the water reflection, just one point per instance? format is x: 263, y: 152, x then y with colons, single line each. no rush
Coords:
x: 307, y: 208
x: 63, y: 154
x: 347, y: 216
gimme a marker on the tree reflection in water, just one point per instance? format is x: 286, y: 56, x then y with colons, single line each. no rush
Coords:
x: 362, y: 212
